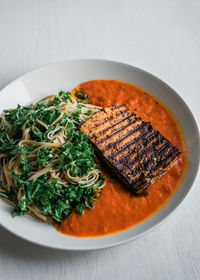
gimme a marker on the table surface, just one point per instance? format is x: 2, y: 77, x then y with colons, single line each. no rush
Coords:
x: 162, y: 37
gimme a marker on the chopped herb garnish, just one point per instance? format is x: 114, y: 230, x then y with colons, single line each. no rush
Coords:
x: 81, y: 95
x: 65, y: 95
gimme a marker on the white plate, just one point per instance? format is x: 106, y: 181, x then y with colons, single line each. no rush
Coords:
x: 66, y: 75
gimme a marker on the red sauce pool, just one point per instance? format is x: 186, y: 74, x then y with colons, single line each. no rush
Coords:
x: 117, y: 208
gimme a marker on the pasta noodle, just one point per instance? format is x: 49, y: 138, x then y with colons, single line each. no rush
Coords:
x: 56, y: 137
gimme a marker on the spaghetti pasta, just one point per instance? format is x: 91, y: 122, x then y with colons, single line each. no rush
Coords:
x: 42, y: 149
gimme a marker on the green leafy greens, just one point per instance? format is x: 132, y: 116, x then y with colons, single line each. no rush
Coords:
x: 43, y: 176
x: 81, y: 95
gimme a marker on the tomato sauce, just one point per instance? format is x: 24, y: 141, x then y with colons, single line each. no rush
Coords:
x: 117, y: 208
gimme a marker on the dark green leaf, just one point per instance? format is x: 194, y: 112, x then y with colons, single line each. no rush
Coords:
x: 81, y: 95
x: 65, y: 95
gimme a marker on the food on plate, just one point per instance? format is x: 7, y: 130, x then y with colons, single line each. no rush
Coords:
x: 118, y: 208
x: 47, y: 166
x: 57, y: 158
x: 135, y: 151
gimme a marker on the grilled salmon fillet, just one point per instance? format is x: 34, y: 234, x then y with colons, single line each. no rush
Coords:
x: 130, y: 146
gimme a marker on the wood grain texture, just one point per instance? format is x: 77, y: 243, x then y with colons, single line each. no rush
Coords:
x: 162, y: 37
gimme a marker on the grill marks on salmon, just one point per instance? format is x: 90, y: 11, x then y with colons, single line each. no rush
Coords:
x: 130, y: 146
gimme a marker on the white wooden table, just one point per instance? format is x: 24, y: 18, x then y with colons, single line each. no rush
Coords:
x: 162, y: 37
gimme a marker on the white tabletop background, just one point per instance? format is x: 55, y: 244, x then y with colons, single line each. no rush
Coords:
x: 162, y: 37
